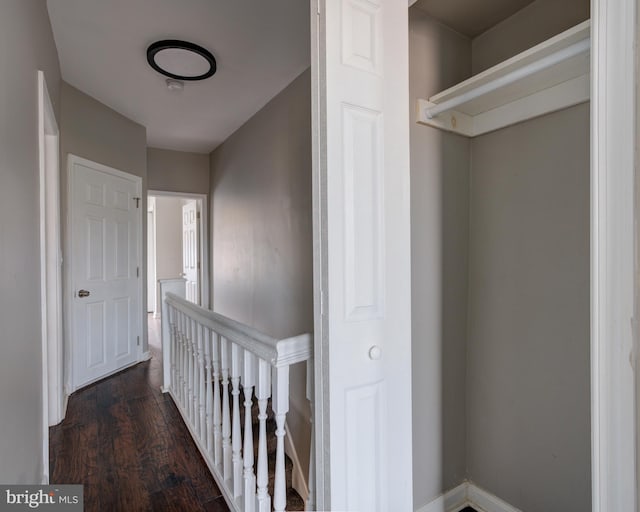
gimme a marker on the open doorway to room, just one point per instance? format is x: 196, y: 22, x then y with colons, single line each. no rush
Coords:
x: 176, y: 248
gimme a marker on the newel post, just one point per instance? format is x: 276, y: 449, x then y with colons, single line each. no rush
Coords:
x: 177, y: 286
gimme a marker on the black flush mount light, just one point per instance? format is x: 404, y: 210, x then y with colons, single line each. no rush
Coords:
x: 181, y: 60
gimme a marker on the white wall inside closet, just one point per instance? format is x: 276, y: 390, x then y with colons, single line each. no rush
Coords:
x: 500, y: 286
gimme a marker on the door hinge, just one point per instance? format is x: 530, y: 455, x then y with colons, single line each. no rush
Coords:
x: 137, y: 200
x: 198, y: 265
x: 198, y: 215
x: 138, y: 340
x: 137, y: 271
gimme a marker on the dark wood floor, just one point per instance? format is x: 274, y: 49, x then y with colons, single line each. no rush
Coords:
x: 125, y: 441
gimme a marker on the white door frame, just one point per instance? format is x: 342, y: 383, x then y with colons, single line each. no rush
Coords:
x: 53, y: 398
x: 205, y: 264
x: 614, y: 257
x: 152, y: 284
x: 614, y: 265
x: 68, y: 264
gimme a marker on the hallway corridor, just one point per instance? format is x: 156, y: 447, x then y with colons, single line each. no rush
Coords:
x: 125, y: 441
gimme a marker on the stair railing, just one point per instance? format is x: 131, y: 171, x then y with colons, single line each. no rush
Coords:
x: 207, y: 359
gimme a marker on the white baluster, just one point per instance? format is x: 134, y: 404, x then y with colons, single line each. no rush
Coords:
x: 172, y: 354
x: 189, y: 371
x: 196, y: 379
x: 202, y: 384
x: 311, y: 498
x: 226, y: 421
x: 280, y: 408
x: 263, y: 391
x: 183, y: 360
x: 206, y: 339
x: 236, y: 434
x: 185, y: 373
x: 249, y: 478
x: 217, y: 417
x: 195, y: 419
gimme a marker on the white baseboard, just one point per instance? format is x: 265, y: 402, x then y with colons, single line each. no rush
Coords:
x: 451, y: 501
x: 298, y: 481
x: 484, y: 501
x: 467, y: 494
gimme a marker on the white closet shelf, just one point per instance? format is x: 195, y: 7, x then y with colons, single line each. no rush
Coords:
x: 552, y: 75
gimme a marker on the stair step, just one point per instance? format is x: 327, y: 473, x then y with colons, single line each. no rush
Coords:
x: 294, y: 500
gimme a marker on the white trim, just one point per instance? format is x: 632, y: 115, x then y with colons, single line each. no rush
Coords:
x: 320, y: 256
x: 204, y: 242
x: 451, y: 501
x: 68, y: 265
x: 152, y: 281
x: 484, y: 501
x: 298, y: 481
x: 613, y: 351
x: 467, y: 494
x: 561, y: 96
x: 50, y: 271
x: 528, y: 89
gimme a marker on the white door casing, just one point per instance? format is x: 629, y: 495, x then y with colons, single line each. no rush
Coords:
x: 362, y: 254
x: 614, y: 256
x: 152, y: 292
x: 105, y: 227
x: 191, y: 250
x: 50, y: 269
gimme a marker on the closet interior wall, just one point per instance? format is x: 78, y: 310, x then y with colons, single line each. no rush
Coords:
x: 500, y: 286
x: 438, y: 57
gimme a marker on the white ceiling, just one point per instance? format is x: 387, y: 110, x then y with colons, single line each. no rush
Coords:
x: 260, y: 47
x: 471, y: 17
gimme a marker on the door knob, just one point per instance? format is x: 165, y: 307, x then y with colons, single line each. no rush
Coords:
x: 375, y: 353
x: 84, y: 293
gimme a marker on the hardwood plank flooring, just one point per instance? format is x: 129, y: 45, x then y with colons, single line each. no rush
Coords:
x: 125, y: 441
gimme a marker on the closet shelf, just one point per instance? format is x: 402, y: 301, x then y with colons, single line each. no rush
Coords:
x: 552, y: 75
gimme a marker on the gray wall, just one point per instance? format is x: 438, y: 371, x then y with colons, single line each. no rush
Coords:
x: 528, y: 361
x: 532, y: 25
x: 262, y: 230
x: 438, y: 58
x: 168, y: 237
x: 92, y: 130
x: 177, y: 171
x: 528, y: 377
x: 26, y: 45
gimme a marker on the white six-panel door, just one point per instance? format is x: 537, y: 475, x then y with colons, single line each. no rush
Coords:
x: 191, y: 250
x: 104, y: 263
x: 362, y: 254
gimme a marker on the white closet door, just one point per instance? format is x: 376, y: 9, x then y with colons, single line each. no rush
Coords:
x: 363, y: 256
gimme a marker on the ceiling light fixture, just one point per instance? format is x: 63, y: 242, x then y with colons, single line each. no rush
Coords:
x: 181, y: 60
x: 174, y: 85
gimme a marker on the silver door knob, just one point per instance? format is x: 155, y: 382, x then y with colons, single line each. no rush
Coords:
x: 84, y: 293
x: 375, y: 353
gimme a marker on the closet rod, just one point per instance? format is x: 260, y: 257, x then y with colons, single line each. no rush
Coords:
x: 509, y: 78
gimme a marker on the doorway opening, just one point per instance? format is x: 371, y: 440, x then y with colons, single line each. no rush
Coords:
x: 177, y: 247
